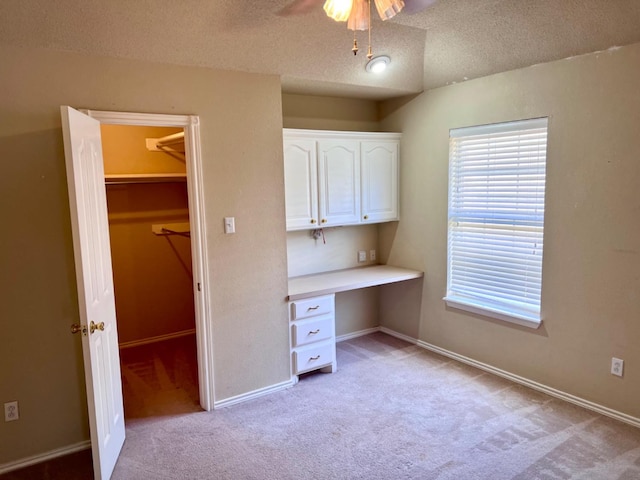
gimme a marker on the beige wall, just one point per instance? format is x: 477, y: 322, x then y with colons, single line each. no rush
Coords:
x: 329, y: 113
x: 124, y: 150
x: 241, y: 121
x: 591, y: 279
x: 152, y: 274
x: 337, y: 250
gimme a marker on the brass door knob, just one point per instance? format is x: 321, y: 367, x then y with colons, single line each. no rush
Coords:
x: 324, y: 220
x: 93, y: 326
x: 366, y: 217
x: 313, y: 220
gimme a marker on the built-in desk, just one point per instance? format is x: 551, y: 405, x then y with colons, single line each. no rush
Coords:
x: 312, y: 311
x: 350, y: 279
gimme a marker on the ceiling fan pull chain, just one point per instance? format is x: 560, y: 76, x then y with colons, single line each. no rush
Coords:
x: 369, y: 53
x: 355, y: 44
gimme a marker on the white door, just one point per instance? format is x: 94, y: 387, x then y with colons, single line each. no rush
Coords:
x: 88, y: 205
x: 339, y: 182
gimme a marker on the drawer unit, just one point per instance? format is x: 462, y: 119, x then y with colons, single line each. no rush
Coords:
x: 310, y: 307
x: 313, y: 356
x: 313, y: 334
x: 312, y: 330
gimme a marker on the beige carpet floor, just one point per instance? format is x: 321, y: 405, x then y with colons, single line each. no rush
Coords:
x: 392, y: 411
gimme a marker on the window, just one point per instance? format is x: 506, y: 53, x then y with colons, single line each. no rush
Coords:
x: 496, y: 220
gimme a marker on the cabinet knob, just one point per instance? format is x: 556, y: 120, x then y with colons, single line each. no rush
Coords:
x: 313, y: 220
x: 366, y: 217
x: 324, y: 220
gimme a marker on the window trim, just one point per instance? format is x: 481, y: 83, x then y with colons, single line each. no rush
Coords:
x: 486, y: 311
x: 485, y: 308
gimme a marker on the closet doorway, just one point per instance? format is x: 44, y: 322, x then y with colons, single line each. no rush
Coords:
x: 155, y: 210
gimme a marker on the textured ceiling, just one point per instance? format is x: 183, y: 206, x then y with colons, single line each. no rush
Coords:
x: 450, y: 42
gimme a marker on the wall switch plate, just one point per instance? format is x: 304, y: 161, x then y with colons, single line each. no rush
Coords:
x: 617, y: 366
x: 11, y: 411
x: 372, y: 255
x: 229, y: 225
x: 362, y: 256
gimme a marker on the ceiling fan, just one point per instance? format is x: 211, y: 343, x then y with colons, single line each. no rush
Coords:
x: 300, y: 7
x: 357, y: 13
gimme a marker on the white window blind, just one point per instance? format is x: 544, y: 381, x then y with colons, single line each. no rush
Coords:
x: 496, y: 219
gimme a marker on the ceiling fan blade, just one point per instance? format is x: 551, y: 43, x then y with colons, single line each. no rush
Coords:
x: 300, y: 7
x: 415, y: 6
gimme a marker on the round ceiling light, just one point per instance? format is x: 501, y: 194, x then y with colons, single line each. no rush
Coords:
x: 378, y: 64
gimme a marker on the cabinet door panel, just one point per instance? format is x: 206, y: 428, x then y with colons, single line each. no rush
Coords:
x: 301, y: 183
x: 379, y: 181
x: 339, y: 186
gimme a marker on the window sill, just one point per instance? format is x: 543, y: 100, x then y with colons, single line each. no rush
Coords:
x: 511, y: 317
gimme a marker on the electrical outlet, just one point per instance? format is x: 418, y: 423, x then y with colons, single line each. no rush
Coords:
x: 362, y: 256
x: 617, y: 366
x: 11, y: 411
x: 372, y: 255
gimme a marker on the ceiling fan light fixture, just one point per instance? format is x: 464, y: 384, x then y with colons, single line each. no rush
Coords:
x: 339, y: 10
x: 359, y: 17
x: 357, y: 14
x: 389, y: 8
x: 378, y: 64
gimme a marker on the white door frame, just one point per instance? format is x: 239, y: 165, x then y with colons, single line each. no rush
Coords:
x: 204, y: 335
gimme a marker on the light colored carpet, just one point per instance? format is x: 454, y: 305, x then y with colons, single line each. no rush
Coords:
x: 392, y: 411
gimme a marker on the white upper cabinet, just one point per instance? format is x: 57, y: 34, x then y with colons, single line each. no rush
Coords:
x: 301, y: 183
x: 339, y: 182
x: 379, y: 173
x: 340, y: 178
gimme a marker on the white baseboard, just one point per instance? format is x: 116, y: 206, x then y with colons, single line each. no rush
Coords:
x: 401, y: 336
x: 227, y: 402
x: 43, y: 457
x: 159, y: 338
x: 595, y: 407
x: 360, y: 333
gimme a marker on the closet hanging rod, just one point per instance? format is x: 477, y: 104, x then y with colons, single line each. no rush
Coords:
x: 163, y: 144
x: 171, y: 139
x: 168, y: 231
x: 182, y: 229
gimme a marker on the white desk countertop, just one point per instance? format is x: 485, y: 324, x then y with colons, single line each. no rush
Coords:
x: 350, y: 279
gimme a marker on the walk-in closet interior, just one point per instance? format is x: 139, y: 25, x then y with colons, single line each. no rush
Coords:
x: 147, y: 198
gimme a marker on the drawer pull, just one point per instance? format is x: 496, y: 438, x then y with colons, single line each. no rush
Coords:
x: 315, y: 332
x: 313, y: 308
x: 313, y: 359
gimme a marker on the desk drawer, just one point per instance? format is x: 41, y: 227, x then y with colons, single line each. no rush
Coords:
x: 312, y: 330
x: 314, y: 356
x: 311, y: 307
